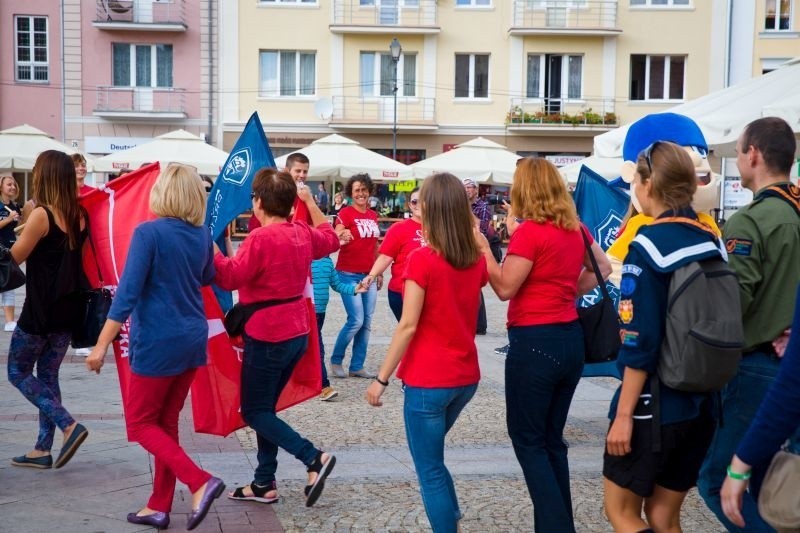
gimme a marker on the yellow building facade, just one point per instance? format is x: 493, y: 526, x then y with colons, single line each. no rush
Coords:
x: 542, y: 77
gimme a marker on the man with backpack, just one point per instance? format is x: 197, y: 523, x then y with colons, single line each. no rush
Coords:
x: 763, y: 245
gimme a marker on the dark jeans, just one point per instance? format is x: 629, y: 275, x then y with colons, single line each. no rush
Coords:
x: 481, y: 327
x: 266, y: 370
x: 395, y: 303
x: 320, y: 321
x: 741, y: 398
x: 543, y: 367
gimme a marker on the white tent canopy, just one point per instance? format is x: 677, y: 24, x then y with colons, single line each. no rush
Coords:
x: 21, y: 145
x: 177, y: 146
x: 336, y: 156
x: 722, y: 115
x: 479, y: 159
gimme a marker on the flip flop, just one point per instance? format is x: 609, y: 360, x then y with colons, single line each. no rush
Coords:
x: 74, y: 442
x: 259, y: 494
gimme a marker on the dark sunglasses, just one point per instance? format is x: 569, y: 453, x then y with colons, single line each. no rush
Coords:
x: 252, y: 196
x: 647, y: 153
x: 414, y: 202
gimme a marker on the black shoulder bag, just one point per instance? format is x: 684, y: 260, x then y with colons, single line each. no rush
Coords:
x: 11, y: 275
x: 96, y: 304
x: 600, y: 322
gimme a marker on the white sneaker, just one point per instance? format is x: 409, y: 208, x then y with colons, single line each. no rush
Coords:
x: 83, y: 352
x: 10, y: 326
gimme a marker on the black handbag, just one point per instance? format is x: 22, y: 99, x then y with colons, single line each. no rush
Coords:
x: 238, y: 315
x: 11, y: 275
x: 96, y: 304
x: 600, y: 322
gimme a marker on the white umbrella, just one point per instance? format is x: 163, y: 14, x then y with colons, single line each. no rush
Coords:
x: 21, y: 145
x: 722, y: 115
x: 479, y: 159
x: 177, y: 146
x: 336, y: 156
x: 607, y: 167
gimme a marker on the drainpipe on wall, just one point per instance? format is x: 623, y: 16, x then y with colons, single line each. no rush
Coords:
x: 210, y: 70
x: 63, y: 81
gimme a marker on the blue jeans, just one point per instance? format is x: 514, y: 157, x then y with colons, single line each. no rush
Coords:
x: 360, y: 308
x: 741, y: 398
x: 395, y: 303
x: 266, y: 369
x: 543, y: 367
x: 320, y: 321
x: 45, y: 352
x: 429, y: 414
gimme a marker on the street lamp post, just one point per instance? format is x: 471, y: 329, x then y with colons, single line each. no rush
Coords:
x: 395, y: 49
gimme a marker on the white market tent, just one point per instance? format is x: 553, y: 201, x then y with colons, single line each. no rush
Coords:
x: 177, y: 146
x: 479, y: 159
x: 21, y: 145
x: 721, y: 115
x: 335, y: 157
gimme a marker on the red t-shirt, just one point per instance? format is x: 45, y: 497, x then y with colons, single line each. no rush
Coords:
x: 358, y: 255
x: 84, y: 190
x: 442, y: 352
x: 548, y: 294
x: 274, y: 263
x: 401, y: 239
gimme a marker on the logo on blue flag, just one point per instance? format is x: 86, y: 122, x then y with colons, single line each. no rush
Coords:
x: 237, y: 168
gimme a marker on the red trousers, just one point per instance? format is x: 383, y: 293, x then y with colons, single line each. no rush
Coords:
x: 153, y: 407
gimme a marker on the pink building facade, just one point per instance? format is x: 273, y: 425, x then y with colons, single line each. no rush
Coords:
x: 120, y: 72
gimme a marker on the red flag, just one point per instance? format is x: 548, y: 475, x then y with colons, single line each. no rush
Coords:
x: 114, y: 211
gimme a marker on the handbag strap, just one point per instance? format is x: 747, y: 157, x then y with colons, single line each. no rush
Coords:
x: 255, y: 306
x: 600, y: 281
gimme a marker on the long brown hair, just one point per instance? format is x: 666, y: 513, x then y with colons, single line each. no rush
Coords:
x: 54, y: 185
x: 447, y: 220
x: 672, y: 172
x: 538, y: 193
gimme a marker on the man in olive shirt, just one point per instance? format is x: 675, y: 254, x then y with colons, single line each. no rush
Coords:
x: 763, y: 243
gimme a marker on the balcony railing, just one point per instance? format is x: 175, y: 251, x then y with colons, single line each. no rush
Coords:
x: 549, y: 112
x: 144, y: 102
x: 149, y: 15
x: 374, y: 111
x: 354, y: 16
x: 565, y: 16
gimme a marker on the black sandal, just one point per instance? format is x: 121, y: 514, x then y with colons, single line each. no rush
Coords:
x: 259, y: 493
x: 322, y: 470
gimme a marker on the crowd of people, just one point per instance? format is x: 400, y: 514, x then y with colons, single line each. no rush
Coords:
x: 441, y: 259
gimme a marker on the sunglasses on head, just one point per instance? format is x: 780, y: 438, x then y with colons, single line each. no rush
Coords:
x: 647, y: 153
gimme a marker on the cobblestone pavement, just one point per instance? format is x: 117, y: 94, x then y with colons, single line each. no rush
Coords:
x: 373, y: 487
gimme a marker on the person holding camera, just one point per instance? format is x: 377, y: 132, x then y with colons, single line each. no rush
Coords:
x: 481, y: 211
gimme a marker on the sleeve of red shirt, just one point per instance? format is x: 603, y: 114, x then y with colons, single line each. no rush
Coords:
x: 484, y: 271
x: 344, y: 217
x: 324, y: 241
x: 233, y: 272
x: 417, y: 268
x: 391, y: 242
x: 523, y: 241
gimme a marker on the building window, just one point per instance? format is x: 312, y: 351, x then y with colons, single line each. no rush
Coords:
x: 473, y: 3
x: 377, y: 74
x: 548, y: 77
x: 472, y: 76
x: 659, y: 3
x: 289, y: 2
x: 142, y: 65
x: 32, y: 62
x: 778, y: 14
x: 390, y: 3
x: 657, y: 77
x: 287, y: 73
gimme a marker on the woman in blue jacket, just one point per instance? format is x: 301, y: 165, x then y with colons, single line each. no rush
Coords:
x: 634, y: 475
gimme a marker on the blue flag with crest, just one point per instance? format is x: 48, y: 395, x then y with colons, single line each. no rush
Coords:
x: 230, y: 195
x: 601, y: 208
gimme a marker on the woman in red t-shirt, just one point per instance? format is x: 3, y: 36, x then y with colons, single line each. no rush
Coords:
x: 546, y: 268
x: 357, y: 227
x: 441, y: 292
x: 401, y: 239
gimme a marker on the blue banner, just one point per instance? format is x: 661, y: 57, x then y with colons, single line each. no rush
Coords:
x: 230, y: 195
x: 601, y: 208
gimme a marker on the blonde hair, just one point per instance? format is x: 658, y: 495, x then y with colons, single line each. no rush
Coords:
x: 5, y: 177
x: 178, y: 192
x: 538, y: 193
x: 673, y: 174
x: 447, y: 220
